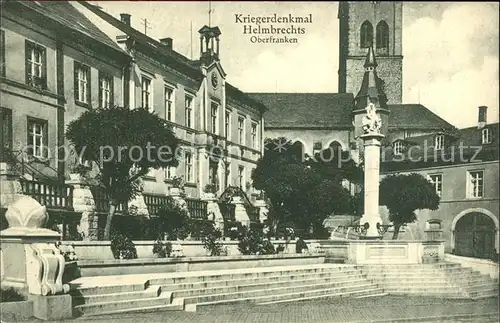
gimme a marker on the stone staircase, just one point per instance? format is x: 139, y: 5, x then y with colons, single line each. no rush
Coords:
x: 448, y: 280
x: 190, y: 290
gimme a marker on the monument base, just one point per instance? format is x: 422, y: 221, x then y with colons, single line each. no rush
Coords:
x: 381, y: 252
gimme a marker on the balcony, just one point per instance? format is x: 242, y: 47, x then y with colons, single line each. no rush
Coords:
x: 55, y: 196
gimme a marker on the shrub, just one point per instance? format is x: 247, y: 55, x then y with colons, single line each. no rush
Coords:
x: 174, y: 220
x: 10, y: 295
x: 211, y: 243
x: 162, y: 248
x: 252, y: 242
x: 300, y: 245
x: 122, y: 246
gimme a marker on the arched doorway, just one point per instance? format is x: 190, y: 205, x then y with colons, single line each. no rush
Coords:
x: 475, y: 235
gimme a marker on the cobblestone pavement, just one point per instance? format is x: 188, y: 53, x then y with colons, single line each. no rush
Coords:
x: 380, y: 309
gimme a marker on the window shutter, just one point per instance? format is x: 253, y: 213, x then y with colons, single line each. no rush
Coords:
x: 44, y: 68
x: 46, y: 140
x: 30, y: 146
x: 75, y: 68
x: 111, y: 91
x: 27, y: 64
x: 89, y: 84
x: 99, y: 88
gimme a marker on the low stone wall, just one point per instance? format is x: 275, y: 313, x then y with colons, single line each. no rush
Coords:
x: 101, y: 250
x: 89, y: 268
x: 16, y: 311
x: 394, y: 252
x: 484, y: 266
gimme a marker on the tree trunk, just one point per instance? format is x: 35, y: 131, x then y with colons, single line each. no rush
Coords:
x: 396, y: 231
x: 109, y: 218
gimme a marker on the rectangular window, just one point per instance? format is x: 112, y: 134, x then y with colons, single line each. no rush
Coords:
x: 241, y: 176
x: 36, y: 67
x: 485, y: 135
x: 169, y: 103
x: 2, y: 53
x: 105, y: 90
x: 188, y: 111
x: 5, y: 132
x: 189, y: 167
x: 37, y: 138
x: 227, y: 124
x: 214, y: 117
x: 476, y: 182
x: 437, y: 181
x: 439, y: 142
x: 241, y: 130
x: 255, y: 141
x: 82, y: 83
x: 146, y: 101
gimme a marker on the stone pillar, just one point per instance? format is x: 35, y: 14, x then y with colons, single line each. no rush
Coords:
x: 371, y: 214
x: 240, y: 213
x: 31, y: 261
x: 213, y: 210
x: 83, y: 202
x: 138, y: 205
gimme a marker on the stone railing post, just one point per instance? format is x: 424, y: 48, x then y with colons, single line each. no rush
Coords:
x: 10, y: 187
x: 213, y: 210
x: 83, y: 202
x: 240, y: 213
x: 31, y: 261
x: 175, y: 193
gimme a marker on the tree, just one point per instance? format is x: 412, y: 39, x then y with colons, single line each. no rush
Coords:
x: 123, y: 145
x: 403, y: 194
x: 302, y: 192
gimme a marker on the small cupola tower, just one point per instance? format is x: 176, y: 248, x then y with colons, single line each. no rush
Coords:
x: 371, y: 92
x: 209, y: 44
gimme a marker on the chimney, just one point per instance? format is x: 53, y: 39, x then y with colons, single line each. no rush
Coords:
x: 482, y: 115
x: 167, y: 42
x: 125, y: 18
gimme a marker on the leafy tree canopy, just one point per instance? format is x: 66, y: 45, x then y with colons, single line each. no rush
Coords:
x: 123, y: 144
x: 403, y: 194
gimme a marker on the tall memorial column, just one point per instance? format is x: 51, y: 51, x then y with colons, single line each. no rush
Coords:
x: 371, y: 216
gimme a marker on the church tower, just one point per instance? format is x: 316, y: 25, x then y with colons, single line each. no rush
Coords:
x: 363, y: 24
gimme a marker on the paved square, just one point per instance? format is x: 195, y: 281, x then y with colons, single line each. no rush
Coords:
x: 380, y: 309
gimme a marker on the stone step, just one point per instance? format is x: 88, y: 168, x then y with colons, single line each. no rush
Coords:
x: 422, y: 271
x: 293, y: 296
x: 279, y: 292
x: 123, y: 305
x: 410, y: 266
x: 376, y: 292
x: 254, y: 280
x: 217, y: 276
x: 110, y: 289
x: 150, y: 292
x: 492, y: 294
x: 265, y: 286
x: 131, y: 283
x: 144, y: 309
x: 456, y: 275
x: 454, y: 294
x: 480, y: 288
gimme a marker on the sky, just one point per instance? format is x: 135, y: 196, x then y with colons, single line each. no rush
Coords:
x: 450, y: 49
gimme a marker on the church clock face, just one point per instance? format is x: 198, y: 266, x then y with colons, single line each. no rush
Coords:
x: 215, y: 80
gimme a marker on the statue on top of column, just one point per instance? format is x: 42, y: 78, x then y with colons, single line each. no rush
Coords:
x: 371, y: 121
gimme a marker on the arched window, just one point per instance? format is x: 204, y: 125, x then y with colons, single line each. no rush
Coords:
x: 382, y: 38
x: 366, y: 34
x: 298, y: 150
